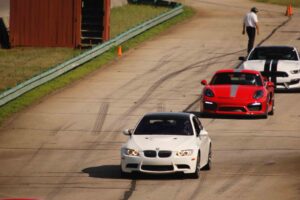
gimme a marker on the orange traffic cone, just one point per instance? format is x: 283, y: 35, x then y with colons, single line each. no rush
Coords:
x: 119, y: 51
x: 289, y: 10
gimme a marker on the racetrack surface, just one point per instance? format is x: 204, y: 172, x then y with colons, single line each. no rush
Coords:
x: 67, y: 146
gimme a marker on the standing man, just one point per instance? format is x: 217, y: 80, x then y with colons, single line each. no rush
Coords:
x: 251, y: 26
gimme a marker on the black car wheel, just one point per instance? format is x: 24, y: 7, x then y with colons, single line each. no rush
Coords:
x: 272, y: 111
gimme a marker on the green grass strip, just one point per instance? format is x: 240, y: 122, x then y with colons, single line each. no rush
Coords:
x: 36, y: 95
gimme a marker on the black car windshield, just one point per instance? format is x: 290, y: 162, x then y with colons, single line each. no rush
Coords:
x: 273, y: 53
x: 164, y: 125
x: 236, y: 78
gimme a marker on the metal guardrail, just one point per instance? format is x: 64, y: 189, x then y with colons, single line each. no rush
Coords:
x: 53, y: 73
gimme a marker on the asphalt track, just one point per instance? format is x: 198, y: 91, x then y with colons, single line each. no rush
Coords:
x: 67, y: 146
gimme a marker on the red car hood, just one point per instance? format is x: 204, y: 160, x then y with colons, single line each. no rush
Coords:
x: 234, y: 91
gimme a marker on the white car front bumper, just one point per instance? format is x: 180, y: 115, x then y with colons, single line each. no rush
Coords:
x: 291, y: 82
x: 157, y: 165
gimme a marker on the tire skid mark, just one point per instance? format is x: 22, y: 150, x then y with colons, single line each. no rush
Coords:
x: 234, y: 180
x: 159, y: 65
x: 56, y: 190
x: 269, y: 149
x: 50, y: 186
x: 62, y: 128
x: 259, y: 44
x: 274, y: 31
x: 253, y: 172
x: 140, y: 101
x: 161, y: 107
x: 102, y: 113
x: 194, y: 196
x: 129, y: 192
x: 41, y: 147
x: 165, y: 60
x: 155, y: 85
x: 249, y: 186
x: 234, y: 6
x: 192, y: 105
x: 98, y: 126
x: 172, y: 74
x: 85, y: 154
x: 162, y: 62
x: 37, y: 150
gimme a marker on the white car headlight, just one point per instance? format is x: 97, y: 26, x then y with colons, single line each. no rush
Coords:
x: 131, y: 152
x: 187, y: 152
x: 297, y: 71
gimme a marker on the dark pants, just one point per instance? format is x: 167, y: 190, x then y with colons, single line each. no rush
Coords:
x: 4, y: 39
x: 251, y: 32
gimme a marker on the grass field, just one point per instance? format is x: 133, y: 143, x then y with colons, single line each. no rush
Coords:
x: 125, y: 17
x: 295, y: 3
x: 20, y: 64
x: 40, y: 92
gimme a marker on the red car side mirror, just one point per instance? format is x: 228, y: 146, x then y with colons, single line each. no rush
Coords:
x: 270, y: 84
x: 204, y: 82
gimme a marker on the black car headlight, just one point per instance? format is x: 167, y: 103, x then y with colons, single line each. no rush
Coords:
x: 258, y: 94
x: 209, y: 93
x: 297, y: 71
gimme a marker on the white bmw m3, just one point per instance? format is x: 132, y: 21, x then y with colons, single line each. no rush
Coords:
x: 165, y: 143
x: 281, y: 64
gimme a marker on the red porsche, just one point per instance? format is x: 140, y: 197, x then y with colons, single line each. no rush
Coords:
x: 238, y: 92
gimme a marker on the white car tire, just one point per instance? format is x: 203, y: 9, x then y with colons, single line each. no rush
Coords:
x: 209, y: 162
x: 196, y: 174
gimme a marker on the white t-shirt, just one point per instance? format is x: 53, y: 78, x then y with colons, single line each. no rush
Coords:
x: 250, y: 19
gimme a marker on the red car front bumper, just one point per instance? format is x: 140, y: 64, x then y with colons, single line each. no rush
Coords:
x: 233, y: 106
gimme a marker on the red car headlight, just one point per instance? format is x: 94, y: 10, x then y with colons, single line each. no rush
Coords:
x: 209, y: 93
x: 258, y: 94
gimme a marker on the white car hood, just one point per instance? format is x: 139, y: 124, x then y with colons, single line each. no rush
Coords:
x: 259, y: 65
x: 162, y: 142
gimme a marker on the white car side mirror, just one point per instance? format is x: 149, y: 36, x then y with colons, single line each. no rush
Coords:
x: 203, y: 133
x: 127, y: 132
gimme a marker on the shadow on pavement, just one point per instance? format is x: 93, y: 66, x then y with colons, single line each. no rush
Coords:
x: 291, y: 91
x: 104, y: 171
x: 114, y: 172
x: 237, y: 117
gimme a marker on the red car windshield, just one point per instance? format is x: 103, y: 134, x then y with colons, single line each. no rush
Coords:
x: 236, y: 78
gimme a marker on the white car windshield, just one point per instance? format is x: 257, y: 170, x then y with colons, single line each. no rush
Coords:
x: 164, y: 125
x: 273, y: 53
